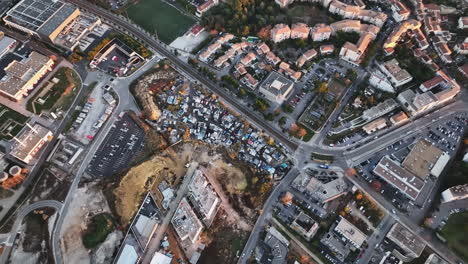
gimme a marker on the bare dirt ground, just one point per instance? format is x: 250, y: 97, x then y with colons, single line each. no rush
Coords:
x: 89, y: 200
x: 169, y: 166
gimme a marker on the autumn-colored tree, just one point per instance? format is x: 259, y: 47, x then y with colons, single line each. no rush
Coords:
x: 287, y: 198
x: 301, y: 132
x: 186, y: 134
x: 293, y: 129
x: 246, y: 31
x: 359, y: 196
x: 322, y: 88
x: 264, y: 33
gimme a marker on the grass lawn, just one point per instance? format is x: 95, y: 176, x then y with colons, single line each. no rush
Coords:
x: 310, y: 14
x: 456, y: 233
x: 101, y: 225
x: 11, y: 122
x: 60, y: 96
x: 158, y: 17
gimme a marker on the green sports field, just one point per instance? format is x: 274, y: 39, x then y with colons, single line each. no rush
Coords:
x: 158, y: 17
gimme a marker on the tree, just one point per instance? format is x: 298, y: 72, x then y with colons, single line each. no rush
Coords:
x: 301, y: 132
x: 293, y: 129
x: 264, y: 33
x: 322, y: 88
x: 246, y: 31
x: 282, y: 120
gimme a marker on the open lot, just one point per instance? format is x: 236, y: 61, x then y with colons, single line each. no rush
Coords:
x: 309, y: 14
x: 160, y: 18
x: 11, y: 122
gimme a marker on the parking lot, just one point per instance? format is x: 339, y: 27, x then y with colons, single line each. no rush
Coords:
x: 123, y: 142
x: 445, y: 135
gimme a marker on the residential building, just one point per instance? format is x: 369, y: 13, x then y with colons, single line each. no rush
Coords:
x: 352, y: 53
x: 276, y: 87
x: 463, y: 22
x: 394, y: 73
x: 250, y: 81
x: 203, y: 197
x: 391, y: 172
x: 305, y: 226
x: 399, y: 11
x: 20, y: 77
x: 247, y: 59
x: 379, y: 81
x: 432, y: 83
x: 392, y: 40
x: 411, y: 244
x: 355, y: 236
x: 327, y: 49
x: 278, y: 245
x: 308, y: 55
x: 320, y: 32
x: 207, y: 5
x: 335, y: 243
x: 186, y: 223
x: 240, y: 69
x: 299, y: 31
x: 354, y: 12
x: 379, y: 110
x: 263, y: 48
x: 455, y: 193
x: 375, y: 125
x: 280, y: 32
x: 415, y: 103
x: 29, y: 142
x: 41, y: 18
x: 272, y: 58
x: 398, y: 118
x: 346, y: 25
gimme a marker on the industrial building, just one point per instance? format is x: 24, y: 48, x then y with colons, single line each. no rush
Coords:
x: 423, y: 157
x: 20, y: 76
x: 29, y: 141
x: 41, y: 18
x: 141, y: 230
x: 406, y: 182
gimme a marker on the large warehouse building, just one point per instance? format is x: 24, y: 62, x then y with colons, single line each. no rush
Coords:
x: 41, y: 18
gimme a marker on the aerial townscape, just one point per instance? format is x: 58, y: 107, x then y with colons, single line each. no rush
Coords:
x: 236, y: 131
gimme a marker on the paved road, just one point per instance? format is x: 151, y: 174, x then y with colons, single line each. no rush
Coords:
x: 155, y: 242
x: 376, y: 238
x: 266, y: 214
x: 19, y: 219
